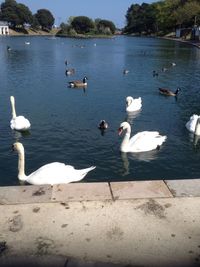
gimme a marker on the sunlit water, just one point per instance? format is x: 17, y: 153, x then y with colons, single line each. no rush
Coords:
x: 64, y: 120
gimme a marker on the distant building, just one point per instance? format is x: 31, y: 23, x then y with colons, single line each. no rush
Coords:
x: 196, y: 33
x: 183, y: 32
x: 4, y: 28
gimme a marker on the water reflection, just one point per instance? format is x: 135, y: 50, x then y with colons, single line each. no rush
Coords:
x: 125, y: 161
x: 132, y: 115
x: 79, y: 88
x: 145, y: 156
x: 18, y: 135
x: 195, y: 140
x: 141, y: 156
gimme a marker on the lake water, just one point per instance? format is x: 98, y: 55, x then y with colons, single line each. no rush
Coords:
x: 64, y: 120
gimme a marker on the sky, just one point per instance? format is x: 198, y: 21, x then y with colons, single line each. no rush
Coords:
x: 114, y: 10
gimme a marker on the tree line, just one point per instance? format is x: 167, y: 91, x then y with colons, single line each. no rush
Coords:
x: 85, y: 25
x: 19, y: 15
x: 162, y: 17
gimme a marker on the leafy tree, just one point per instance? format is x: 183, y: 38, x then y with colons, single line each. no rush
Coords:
x: 131, y: 17
x: 70, y: 19
x: 187, y: 14
x: 35, y: 23
x: 162, y: 16
x: 141, y: 18
x: 24, y: 13
x: 82, y: 24
x: 106, y: 26
x: 45, y: 18
x: 16, y: 14
x: 66, y: 29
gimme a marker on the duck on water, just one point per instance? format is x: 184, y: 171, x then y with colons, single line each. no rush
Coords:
x: 168, y: 92
x: 78, y: 83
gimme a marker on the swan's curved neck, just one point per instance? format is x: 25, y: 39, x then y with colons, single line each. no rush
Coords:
x: 21, y: 165
x: 12, y: 100
x: 197, y: 127
x: 126, y: 138
x: 129, y: 102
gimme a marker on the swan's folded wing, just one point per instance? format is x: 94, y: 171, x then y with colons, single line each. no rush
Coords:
x: 20, y: 123
x: 52, y: 173
x: 145, y: 141
x: 191, y: 124
x: 138, y: 100
x: 141, y: 136
x: 57, y: 173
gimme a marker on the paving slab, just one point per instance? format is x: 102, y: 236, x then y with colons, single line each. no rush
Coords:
x: 184, y: 188
x: 33, y: 261
x: 81, y: 191
x: 158, y: 232
x: 25, y: 194
x: 139, y: 189
x: 76, y: 263
x: 50, y: 261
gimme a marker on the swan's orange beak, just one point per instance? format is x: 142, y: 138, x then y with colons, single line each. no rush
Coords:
x: 120, y: 130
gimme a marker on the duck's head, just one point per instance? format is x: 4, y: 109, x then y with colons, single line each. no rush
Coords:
x: 103, y: 125
x: 123, y: 126
x: 85, y: 79
x: 177, y: 90
x: 125, y: 71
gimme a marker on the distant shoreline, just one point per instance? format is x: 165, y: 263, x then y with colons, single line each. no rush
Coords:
x: 81, y: 36
x: 189, y: 42
x: 31, y: 32
x: 54, y: 32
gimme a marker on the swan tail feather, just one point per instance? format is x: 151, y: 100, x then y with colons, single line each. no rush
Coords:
x: 85, y: 171
x: 162, y: 139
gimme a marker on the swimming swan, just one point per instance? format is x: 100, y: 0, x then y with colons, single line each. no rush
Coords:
x: 133, y: 104
x: 140, y: 142
x: 193, y: 125
x: 19, y: 123
x: 52, y: 173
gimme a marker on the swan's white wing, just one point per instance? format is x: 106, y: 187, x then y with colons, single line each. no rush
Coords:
x: 137, y: 100
x: 139, y: 137
x: 20, y: 123
x: 191, y: 124
x: 56, y: 173
x: 135, y: 105
x: 146, y: 141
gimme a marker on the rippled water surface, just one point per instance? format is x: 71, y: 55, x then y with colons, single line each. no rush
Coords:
x: 64, y: 120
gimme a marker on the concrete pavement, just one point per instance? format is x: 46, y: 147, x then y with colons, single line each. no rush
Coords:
x: 145, y: 223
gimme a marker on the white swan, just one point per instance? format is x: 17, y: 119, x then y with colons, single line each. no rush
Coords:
x: 193, y: 125
x: 19, y: 123
x: 133, y: 104
x: 52, y: 173
x: 140, y: 142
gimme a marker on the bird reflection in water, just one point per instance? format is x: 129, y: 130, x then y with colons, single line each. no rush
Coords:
x: 18, y: 135
x: 103, y: 125
x: 195, y: 140
x: 141, y: 156
x: 132, y: 115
